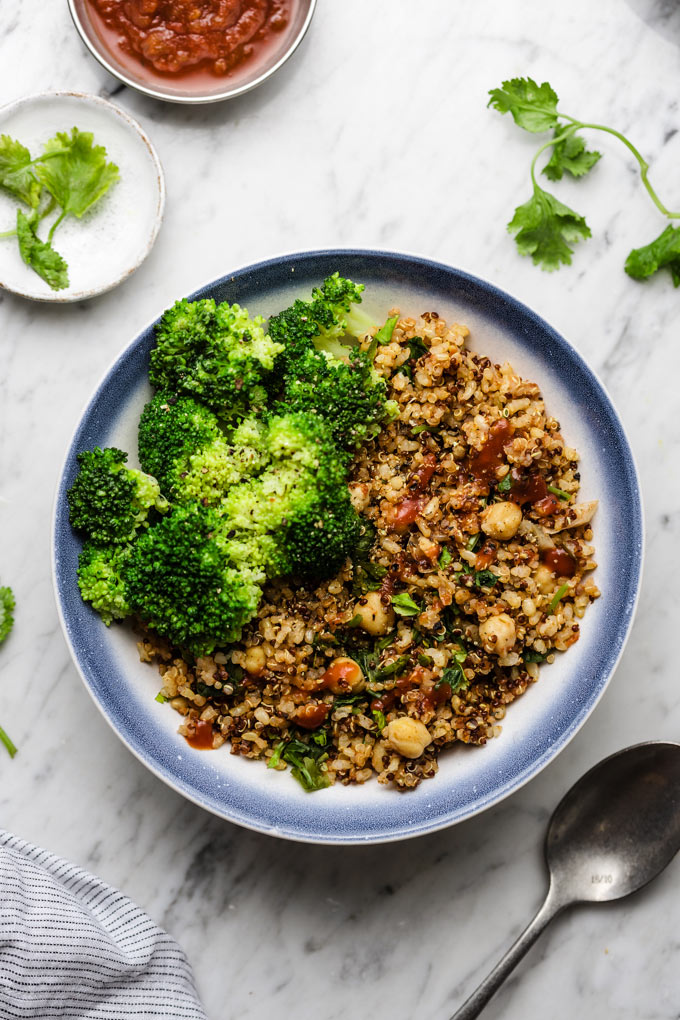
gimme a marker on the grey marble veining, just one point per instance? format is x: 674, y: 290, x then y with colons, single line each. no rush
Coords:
x: 374, y: 134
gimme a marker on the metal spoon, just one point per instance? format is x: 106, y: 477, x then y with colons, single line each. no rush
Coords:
x: 613, y: 832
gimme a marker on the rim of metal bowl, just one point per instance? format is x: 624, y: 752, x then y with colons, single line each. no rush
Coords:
x: 195, y: 98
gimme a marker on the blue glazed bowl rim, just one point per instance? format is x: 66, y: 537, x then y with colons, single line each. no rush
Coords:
x: 509, y: 304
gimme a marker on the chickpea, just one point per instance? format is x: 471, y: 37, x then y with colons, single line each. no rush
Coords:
x: 360, y: 495
x: 374, y: 617
x: 497, y: 634
x: 180, y: 705
x: 255, y: 660
x: 501, y: 520
x: 545, y: 579
x: 407, y: 736
x: 343, y: 676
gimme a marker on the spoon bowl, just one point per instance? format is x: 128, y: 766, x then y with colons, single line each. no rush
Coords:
x: 614, y: 831
x: 618, y: 826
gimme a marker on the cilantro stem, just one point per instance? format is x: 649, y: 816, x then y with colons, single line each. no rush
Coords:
x: 557, y: 597
x: 11, y: 749
x: 55, y: 225
x: 8, y: 233
x: 576, y: 125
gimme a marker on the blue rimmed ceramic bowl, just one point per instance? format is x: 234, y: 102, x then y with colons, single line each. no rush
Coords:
x: 535, y: 729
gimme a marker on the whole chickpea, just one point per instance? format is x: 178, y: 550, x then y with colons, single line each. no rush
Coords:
x: 497, y: 634
x: 407, y: 736
x: 374, y: 617
x: 545, y: 579
x: 501, y: 520
x: 255, y: 660
x: 343, y: 676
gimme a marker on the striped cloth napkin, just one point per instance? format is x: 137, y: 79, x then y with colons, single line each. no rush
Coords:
x: 72, y: 947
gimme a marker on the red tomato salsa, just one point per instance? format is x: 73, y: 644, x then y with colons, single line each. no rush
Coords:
x: 176, y: 36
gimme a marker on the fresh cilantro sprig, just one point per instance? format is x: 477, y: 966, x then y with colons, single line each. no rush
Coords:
x: 544, y: 227
x: 6, y: 623
x: 71, y: 174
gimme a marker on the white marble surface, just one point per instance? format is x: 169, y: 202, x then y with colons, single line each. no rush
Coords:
x: 376, y: 133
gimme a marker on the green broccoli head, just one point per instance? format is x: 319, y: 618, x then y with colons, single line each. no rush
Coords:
x: 330, y: 314
x: 305, y: 466
x: 6, y: 612
x: 216, y: 353
x: 109, y: 501
x: 188, y: 582
x: 100, y: 579
x: 321, y: 537
x: 181, y: 442
x: 349, y: 394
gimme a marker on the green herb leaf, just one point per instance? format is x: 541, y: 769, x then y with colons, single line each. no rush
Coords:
x: 485, y: 578
x: 380, y: 720
x: 445, y: 558
x: 404, y: 605
x: 276, y: 757
x: 16, y: 175
x: 505, y: 483
x: 40, y: 255
x: 417, y: 348
x: 76, y: 172
x: 424, y: 428
x: 7, y: 605
x: 571, y: 155
x: 384, y: 334
x: 529, y: 655
x: 425, y: 660
x: 394, y: 668
x: 545, y: 228
x: 473, y: 542
x: 557, y: 597
x: 454, y: 675
x: 560, y: 493
x: 533, y: 107
x: 662, y: 253
x: 160, y: 698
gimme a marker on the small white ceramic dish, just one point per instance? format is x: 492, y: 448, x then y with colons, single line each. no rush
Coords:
x: 114, y: 237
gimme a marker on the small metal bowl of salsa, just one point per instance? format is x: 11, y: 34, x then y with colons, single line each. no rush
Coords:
x: 192, y: 51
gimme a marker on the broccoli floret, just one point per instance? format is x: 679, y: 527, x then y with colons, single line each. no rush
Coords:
x: 100, y: 579
x: 182, y: 444
x: 109, y: 501
x: 216, y: 353
x: 305, y: 466
x: 6, y: 612
x: 187, y: 580
x: 320, y: 538
x: 321, y: 374
x: 301, y: 498
x: 351, y: 396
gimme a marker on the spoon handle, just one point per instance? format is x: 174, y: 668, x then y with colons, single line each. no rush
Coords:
x: 473, y: 1006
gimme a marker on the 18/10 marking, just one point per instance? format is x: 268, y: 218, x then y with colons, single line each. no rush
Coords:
x: 602, y: 879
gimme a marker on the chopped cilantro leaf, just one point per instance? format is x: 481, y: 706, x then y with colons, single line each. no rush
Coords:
x: 545, y: 228
x: 40, y: 255
x: 662, y: 253
x: 557, y: 597
x: 379, y: 719
x: 75, y: 171
x: 160, y: 698
x: 560, y: 493
x: 505, y: 483
x: 404, y: 605
x: 530, y: 655
x: 384, y: 334
x: 445, y: 558
x: 570, y: 154
x: 16, y: 175
x: 533, y: 107
x: 485, y: 578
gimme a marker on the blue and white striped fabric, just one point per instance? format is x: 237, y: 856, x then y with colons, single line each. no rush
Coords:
x: 74, y: 948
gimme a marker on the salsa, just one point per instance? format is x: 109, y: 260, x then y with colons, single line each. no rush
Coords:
x: 178, y: 36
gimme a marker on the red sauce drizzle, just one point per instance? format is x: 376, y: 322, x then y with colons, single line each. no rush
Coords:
x: 484, y: 464
x: 559, y: 561
x: 337, y: 674
x: 485, y: 556
x: 202, y: 738
x: 533, y: 489
x: 406, y: 511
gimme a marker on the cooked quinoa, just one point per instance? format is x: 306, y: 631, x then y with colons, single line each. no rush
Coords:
x: 475, y: 568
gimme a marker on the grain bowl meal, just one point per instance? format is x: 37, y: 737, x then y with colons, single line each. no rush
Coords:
x: 350, y: 545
